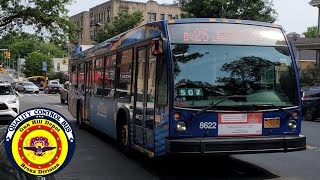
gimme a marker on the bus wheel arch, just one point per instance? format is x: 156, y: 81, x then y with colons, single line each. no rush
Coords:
x: 122, y: 128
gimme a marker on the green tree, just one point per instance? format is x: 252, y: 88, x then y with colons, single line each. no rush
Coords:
x: 46, y: 17
x: 311, y: 32
x: 33, y: 63
x: 310, y: 75
x: 25, y: 43
x: 259, y: 10
x: 121, y: 23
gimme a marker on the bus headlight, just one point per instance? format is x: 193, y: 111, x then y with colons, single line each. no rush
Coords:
x: 181, y: 126
x: 292, y: 124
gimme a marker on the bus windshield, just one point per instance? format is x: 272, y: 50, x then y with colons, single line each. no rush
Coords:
x: 205, y: 73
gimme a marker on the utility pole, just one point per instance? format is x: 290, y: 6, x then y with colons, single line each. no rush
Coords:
x: 18, y: 67
x: 47, y: 70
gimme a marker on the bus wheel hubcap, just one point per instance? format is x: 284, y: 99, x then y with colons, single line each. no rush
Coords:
x: 124, y: 135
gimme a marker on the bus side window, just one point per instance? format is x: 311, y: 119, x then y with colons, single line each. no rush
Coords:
x: 162, y: 95
x: 124, y: 70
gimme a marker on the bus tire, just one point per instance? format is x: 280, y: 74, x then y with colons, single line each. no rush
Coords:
x: 309, y: 114
x: 123, y: 135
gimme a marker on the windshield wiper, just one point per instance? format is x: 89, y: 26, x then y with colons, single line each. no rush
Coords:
x: 215, y: 104
x: 275, y: 106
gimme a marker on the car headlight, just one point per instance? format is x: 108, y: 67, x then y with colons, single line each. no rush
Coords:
x: 181, y: 126
x: 12, y: 101
x: 292, y: 124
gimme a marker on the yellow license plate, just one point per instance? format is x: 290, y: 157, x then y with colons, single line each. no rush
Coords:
x: 271, y: 122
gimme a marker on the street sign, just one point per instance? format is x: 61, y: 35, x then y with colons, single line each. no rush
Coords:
x: 44, y: 65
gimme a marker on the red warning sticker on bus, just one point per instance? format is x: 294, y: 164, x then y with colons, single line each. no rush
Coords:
x: 239, y: 124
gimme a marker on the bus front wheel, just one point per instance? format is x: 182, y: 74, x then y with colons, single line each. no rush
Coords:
x: 123, y: 133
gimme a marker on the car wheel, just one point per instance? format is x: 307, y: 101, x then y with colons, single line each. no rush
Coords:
x: 309, y: 114
x: 37, y: 92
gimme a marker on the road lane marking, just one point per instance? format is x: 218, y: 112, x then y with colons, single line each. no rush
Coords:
x: 58, y: 106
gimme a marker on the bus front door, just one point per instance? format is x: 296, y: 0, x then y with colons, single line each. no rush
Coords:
x: 87, y: 94
x: 145, y: 73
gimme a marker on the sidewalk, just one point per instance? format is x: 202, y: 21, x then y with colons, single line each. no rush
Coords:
x: 12, y: 74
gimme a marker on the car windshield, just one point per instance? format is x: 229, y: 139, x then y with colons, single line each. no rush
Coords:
x: 205, y: 74
x: 54, y: 82
x: 149, y: 98
x: 5, y: 90
x: 28, y: 84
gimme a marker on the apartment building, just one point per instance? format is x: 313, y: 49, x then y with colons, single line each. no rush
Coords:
x: 82, y: 22
x: 90, y: 22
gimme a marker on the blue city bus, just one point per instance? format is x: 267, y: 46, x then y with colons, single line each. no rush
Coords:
x: 191, y: 86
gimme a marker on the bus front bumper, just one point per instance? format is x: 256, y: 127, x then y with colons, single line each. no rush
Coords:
x: 236, y: 145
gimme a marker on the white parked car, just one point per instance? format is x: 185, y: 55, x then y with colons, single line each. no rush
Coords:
x: 9, y: 103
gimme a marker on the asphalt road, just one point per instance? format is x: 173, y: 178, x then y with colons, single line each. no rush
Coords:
x: 98, y: 157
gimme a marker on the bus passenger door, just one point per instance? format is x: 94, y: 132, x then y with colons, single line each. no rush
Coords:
x: 87, y: 91
x: 144, y: 98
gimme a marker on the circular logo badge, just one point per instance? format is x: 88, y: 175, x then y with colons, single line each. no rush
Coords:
x: 40, y: 142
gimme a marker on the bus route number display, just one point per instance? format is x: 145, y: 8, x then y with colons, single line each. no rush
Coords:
x: 190, y: 92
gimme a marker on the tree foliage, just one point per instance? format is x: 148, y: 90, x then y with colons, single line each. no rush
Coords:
x: 48, y: 18
x: 33, y: 64
x: 259, y: 10
x: 310, y: 75
x: 24, y: 43
x: 311, y: 32
x: 121, y: 23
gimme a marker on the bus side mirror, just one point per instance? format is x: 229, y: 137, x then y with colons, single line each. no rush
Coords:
x: 158, y: 45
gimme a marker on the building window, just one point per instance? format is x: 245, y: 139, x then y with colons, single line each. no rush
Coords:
x: 162, y: 16
x: 125, y: 11
x: 169, y: 16
x: 108, y: 15
x: 58, y: 67
x: 81, y: 22
x: 99, y: 18
x: 152, y: 16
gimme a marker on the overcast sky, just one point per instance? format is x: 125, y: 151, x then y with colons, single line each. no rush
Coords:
x: 293, y: 15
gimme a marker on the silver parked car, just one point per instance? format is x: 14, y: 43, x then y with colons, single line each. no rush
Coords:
x: 27, y: 86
